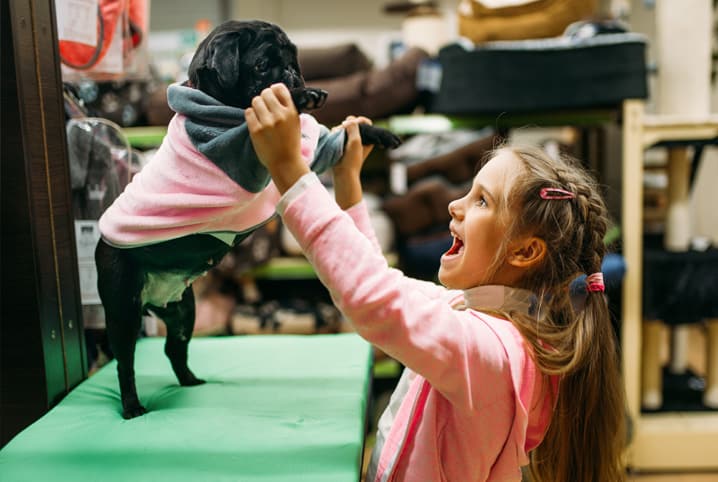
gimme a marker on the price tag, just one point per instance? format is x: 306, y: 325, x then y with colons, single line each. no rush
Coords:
x: 87, y: 234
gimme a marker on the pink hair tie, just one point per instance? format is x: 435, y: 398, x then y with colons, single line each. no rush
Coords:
x: 594, y: 282
x: 556, y: 193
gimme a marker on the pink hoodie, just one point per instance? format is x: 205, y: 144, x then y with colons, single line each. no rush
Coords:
x: 476, y: 404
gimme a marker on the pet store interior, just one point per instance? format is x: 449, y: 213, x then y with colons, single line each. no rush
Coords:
x: 293, y: 393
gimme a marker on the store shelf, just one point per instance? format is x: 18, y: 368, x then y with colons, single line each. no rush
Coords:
x: 658, y: 128
x: 295, y: 268
x: 438, y: 123
x: 145, y: 137
x: 284, y: 268
x: 666, y: 441
x: 387, y: 368
x: 151, y: 136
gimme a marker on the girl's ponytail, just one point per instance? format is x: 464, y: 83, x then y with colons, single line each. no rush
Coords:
x: 558, y: 201
x: 586, y: 437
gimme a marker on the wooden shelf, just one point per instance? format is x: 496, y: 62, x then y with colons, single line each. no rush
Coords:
x: 680, y: 440
x: 437, y: 123
x: 657, y: 128
x: 145, y: 137
x: 284, y: 268
x: 295, y: 268
x: 668, y: 441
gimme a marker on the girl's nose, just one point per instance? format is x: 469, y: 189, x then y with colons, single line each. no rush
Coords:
x: 454, y: 208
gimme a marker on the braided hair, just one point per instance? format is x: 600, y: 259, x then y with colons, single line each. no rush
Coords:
x: 585, y: 439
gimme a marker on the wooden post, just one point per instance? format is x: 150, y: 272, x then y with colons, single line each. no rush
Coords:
x: 632, y: 232
x: 710, y: 397
x: 41, y: 338
x: 679, y: 349
x: 678, y: 218
x: 652, y: 372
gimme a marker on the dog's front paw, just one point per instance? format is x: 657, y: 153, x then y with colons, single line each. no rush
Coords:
x: 378, y: 137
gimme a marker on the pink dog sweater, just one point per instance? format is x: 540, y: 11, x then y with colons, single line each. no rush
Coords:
x: 205, y: 177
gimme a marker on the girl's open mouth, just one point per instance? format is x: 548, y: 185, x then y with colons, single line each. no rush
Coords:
x: 456, y: 248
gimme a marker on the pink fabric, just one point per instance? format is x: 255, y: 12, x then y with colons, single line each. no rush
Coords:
x: 181, y: 192
x: 485, y: 408
x: 404, y: 428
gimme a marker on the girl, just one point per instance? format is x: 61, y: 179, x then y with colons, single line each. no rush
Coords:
x: 501, y: 369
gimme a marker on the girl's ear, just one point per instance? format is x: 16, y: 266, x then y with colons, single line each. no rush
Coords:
x: 527, y: 252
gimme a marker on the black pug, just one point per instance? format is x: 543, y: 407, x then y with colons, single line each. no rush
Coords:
x: 202, y: 193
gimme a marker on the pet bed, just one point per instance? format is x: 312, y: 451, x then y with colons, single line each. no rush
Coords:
x: 530, y: 75
x: 274, y: 408
x: 680, y: 287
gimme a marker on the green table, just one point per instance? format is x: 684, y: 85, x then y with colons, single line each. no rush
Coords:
x: 274, y: 408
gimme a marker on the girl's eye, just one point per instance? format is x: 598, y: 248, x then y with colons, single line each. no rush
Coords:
x: 482, y: 201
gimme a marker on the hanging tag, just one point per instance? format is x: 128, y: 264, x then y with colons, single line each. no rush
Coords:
x: 87, y: 234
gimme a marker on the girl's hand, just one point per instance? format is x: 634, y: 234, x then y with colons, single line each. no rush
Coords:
x: 275, y: 132
x: 347, y: 183
x: 354, y: 152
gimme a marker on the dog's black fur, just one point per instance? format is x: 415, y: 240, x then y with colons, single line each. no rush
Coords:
x: 239, y: 59
x: 233, y: 64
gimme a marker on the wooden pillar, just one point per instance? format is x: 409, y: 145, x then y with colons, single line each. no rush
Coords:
x: 678, y: 218
x: 632, y: 222
x: 41, y: 338
x: 651, y: 369
x: 710, y: 397
x: 679, y: 349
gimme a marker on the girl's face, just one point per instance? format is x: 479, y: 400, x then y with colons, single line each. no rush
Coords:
x: 478, y: 227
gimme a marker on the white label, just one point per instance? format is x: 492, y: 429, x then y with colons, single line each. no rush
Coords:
x: 77, y: 20
x: 397, y: 178
x: 87, y: 234
x: 428, y: 76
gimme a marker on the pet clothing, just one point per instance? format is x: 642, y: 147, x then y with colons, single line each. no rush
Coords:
x: 206, y: 177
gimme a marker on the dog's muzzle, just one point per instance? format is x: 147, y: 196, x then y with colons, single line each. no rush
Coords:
x: 292, y: 78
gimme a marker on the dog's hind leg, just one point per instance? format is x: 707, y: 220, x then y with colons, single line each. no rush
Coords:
x: 119, y: 282
x: 179, y: 318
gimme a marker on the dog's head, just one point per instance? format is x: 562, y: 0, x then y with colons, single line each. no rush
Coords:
x: 239, y: 59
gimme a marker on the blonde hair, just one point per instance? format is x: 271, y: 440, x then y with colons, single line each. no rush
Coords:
x: 586, y: 436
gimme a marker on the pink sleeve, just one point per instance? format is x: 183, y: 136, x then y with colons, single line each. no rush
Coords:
x: 359, y: 213
x: 456, y: 351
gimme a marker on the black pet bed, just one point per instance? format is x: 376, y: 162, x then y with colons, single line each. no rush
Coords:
x: 547, y: 74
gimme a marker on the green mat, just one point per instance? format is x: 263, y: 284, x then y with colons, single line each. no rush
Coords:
x: 274, y: 408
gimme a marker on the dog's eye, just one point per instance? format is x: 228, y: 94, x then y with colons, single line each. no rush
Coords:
x: 261, y: 65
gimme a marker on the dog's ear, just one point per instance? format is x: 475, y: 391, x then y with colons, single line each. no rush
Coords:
x: 215, y: 67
